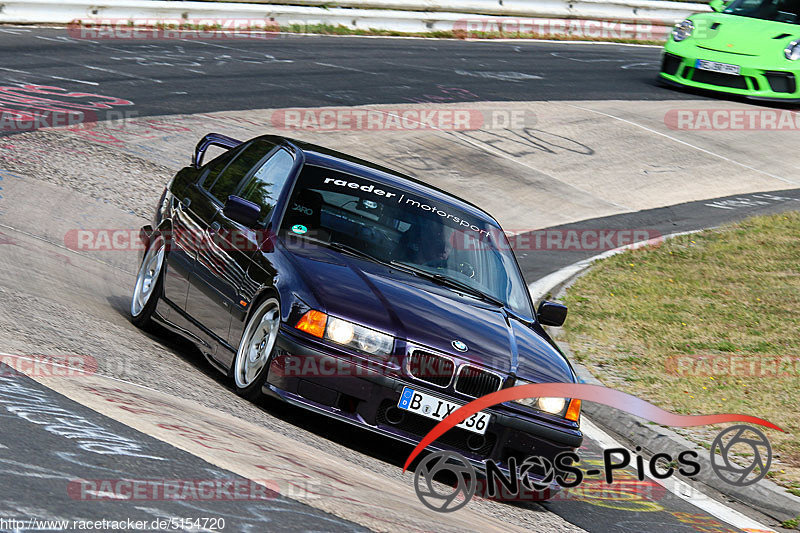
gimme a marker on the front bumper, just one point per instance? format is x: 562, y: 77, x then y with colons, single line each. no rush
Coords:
x: 368, y: 399
x: 755, y: 81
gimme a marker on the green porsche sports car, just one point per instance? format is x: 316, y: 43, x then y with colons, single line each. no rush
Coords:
x: 745, y: 47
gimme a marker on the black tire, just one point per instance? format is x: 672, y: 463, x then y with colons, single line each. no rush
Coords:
x: 251, y: 365
x: 151, y: 283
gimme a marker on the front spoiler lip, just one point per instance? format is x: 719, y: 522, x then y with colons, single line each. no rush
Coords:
x: 721, y: 90
x: 298, y: 401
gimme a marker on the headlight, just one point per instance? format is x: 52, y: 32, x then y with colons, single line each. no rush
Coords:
x: 340, y: 331
x: 358, y: 337
x: 554, y: 406
x: 682, y: 30
x: 528, y: 402
x: 792, y: 51
x: 346, y: 333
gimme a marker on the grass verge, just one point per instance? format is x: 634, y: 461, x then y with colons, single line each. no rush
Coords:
x: 704, y: 323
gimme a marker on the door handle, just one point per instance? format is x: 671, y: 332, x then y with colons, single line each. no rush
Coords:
x: 214, y: 227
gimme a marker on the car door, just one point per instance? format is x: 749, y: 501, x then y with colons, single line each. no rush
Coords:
x: 190, y: 210
x: 216, y: 272
x: 262, y: 187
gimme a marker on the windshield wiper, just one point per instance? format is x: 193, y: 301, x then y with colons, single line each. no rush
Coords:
x: 450, y: 283
x: 340, y: 247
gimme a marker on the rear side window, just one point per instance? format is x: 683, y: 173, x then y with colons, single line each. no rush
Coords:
x: 216, y: 165
x: 266, y: 184
x: 227, y: 179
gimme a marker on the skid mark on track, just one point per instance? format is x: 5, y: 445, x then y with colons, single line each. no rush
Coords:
x: 514, y: 77
x: 515, y: 158
x: 690, y: 145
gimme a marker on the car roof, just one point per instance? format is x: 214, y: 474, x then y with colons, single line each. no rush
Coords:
x: 335, y: 160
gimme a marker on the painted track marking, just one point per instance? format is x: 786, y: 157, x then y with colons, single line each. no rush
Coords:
x: 690, y: 145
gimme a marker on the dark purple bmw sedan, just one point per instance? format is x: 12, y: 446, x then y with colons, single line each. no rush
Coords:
x: 352, y: 290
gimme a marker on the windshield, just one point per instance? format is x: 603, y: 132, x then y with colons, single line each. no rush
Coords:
x: 396, y: 226
x: 775, y: 10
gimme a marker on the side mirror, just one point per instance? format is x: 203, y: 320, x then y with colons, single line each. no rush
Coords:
x: 717, y: 5
x: 552, y: 314
x: 242, y: 211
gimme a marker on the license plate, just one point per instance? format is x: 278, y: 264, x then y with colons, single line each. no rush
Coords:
x: 436, y: 408
x: 713, y: 66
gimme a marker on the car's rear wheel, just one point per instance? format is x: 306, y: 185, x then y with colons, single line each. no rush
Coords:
x: 251, y: 365
x: 148, y: 284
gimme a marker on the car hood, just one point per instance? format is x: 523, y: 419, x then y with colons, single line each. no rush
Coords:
x: 745, y: 36
x: 424, y: 313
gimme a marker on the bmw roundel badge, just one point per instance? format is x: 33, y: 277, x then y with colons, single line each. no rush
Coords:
x: 460, y: 346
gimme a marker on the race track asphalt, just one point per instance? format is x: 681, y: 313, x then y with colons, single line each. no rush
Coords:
x: 43, y: 281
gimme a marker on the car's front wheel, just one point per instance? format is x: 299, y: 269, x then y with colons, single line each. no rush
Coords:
x: 251, y: 365
x: 148, y: 284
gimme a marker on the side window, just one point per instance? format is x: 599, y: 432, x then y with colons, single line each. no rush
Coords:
x: 226, y: 181
x: 216, y: 165
x: 266, y: 184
